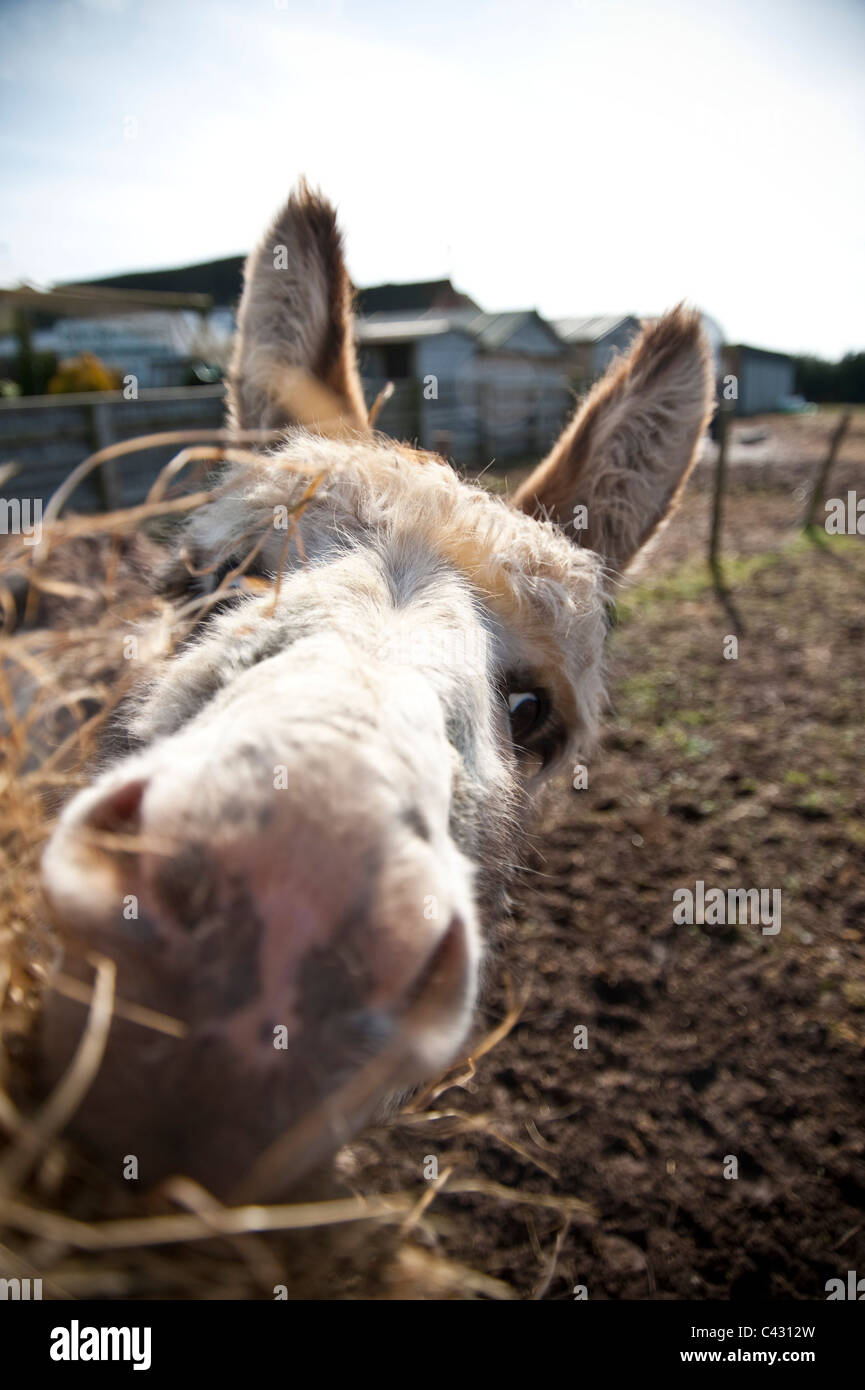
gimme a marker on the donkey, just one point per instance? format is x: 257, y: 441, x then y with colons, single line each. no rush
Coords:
x: 319, y: 799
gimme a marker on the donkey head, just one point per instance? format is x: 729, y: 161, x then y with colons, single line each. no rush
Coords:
x: 311, y: 831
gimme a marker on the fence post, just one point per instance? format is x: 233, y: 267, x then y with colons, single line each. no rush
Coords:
x: 102, y: 433
x: 822, y: 483
x: 721, y: 591
x: 718, y: 500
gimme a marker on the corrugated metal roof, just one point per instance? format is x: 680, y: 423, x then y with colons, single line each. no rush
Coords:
x: 589, y: 329
x: 492, y: 331
x: 402, y: 328
x: 413, y: 297
x: 763, y: 353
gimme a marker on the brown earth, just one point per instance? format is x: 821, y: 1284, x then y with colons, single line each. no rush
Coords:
x: 787, y: 442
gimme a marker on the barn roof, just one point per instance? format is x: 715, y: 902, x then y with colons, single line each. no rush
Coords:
x: 89, y: 301
x: 222, y: 280
x: 403, y: 328
x: 766, y: 354
x: 414, y: 297
x: 495, y: 330
x: 492, y: 332
x: 591, y: 328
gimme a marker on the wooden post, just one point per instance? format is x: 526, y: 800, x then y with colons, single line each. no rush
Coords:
x: 822, y: 483
x: 102, y: 434
x: 723, y: 422
x: 721, y: 591
x: 21, y: 327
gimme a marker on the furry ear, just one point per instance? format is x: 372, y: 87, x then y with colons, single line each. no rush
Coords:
x: 294, y: 359
x: 631, y: 445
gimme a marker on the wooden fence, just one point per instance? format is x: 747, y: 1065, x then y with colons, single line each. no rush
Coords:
x: 477, y: 421
x: 45, y: 437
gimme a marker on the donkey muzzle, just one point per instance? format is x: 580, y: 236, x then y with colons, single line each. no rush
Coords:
x: 283, y: 965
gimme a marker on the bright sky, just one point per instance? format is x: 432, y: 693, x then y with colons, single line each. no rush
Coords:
x: 582, y: 156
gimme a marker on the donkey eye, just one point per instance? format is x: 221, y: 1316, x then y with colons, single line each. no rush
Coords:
x: 527, y: 710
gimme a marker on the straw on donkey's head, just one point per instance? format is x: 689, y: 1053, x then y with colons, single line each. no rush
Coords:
x: 349, y: 671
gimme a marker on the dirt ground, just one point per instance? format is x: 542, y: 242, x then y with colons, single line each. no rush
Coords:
x: 703, y: 1042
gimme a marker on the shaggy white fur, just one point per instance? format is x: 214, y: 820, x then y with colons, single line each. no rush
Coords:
x: 546, y: 592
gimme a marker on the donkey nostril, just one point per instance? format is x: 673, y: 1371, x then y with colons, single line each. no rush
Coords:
x: 417, y: 822
x: 445, y: 969
x: 435, y: 1013
x: 120, y: 810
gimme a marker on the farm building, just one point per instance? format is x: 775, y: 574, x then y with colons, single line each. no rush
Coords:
x: 155, y: 325
x: 153, y: 336
x: 154, y: 347
x: 221, y: 281
x: 594, y: 340
x: 147, y: 335
x: 763, y: 378
x: 467, y: 383
x: 412, y: 296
